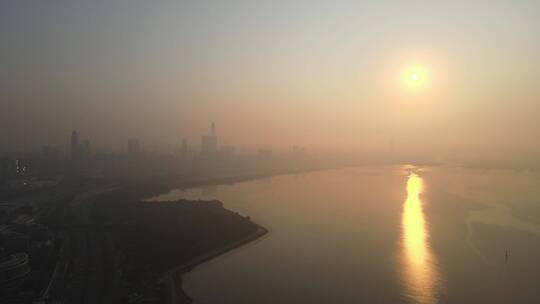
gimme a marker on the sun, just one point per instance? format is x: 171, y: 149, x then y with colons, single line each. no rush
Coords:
x: 415, y: 78
x: 416, y: 74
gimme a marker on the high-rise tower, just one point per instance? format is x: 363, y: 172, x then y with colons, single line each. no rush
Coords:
x: 209, y: 143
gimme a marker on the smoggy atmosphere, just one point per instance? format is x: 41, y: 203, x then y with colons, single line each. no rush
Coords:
x: 265, y: 152
x: 269, y: 152
x: 332, y: 76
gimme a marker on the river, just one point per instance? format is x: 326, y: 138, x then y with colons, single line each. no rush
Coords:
x: 385, y: 234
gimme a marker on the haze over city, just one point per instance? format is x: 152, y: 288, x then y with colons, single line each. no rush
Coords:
x: 232, y: 152
x: 326, y: 75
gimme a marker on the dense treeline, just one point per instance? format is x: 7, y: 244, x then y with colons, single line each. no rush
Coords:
x: 152, y: 237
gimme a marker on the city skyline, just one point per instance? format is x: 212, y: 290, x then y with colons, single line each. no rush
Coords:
x: 325, y: 76
x: 285, y: 151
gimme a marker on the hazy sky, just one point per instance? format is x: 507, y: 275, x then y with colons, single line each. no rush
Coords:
x: 323, y: 74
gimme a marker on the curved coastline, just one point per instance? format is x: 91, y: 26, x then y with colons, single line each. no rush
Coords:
x: 148, y: 190
x: 173, y: 277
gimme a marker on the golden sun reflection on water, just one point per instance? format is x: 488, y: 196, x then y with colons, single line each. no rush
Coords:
x: 419, y: 270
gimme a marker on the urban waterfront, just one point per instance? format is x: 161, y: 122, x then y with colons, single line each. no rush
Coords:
x: 394, y: 234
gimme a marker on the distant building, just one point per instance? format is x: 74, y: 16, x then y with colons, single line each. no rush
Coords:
x: 22, y: 167
x: 133, y: 146
x: 79, y: 151
x: 209, y: 143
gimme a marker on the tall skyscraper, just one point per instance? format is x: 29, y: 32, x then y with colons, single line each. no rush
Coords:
x: 209, y: 143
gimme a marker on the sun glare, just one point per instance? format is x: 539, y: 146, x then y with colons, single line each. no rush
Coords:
x: 414, y: 78
x: 419, y: 265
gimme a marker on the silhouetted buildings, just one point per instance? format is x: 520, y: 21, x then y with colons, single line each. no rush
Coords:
x: 79, y: 151
x: 45, y: 167
x: 22, y: 167
x: 13, y: 168
x: 209, y: 143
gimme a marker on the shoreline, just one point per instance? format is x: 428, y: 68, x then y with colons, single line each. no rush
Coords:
x: 230, y: 180
x: 174, y: 276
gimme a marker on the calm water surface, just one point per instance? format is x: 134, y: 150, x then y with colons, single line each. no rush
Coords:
x: 379, y: 235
